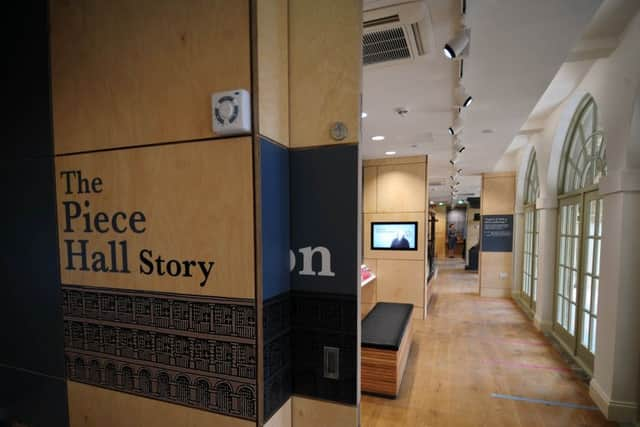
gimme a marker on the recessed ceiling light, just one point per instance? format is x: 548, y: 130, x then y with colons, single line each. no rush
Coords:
x: 363, y: 115
x: 377, y: 138
x: 390, y: 153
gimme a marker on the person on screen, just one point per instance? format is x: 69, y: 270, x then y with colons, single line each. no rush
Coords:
x: 400, y: 242
x: 452, y: 239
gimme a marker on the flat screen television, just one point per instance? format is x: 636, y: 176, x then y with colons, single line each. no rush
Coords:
x: 394, y: 236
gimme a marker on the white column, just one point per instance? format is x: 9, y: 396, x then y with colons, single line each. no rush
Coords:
x: 614, y: 386
x: 547, y: 241
x: 518, y: 228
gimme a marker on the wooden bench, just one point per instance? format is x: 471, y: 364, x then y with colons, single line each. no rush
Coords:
x: 386, y: 341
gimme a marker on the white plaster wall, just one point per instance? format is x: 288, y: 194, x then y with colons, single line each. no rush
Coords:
x: 614, y: 83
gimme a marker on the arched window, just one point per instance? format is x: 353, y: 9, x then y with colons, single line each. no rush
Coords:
x: 182, y: 389
x: 110, y: 375
x: 203, y: 395
x: 583, y: 157
x: 223, y: 397
x: 94, y: 372
x: 247, y: 402
x: 579, y: 233
x: 529, y: 284
x: 164, y: 386
x: 79, y: 369
x: 127, y: 378
x: 144, y: 381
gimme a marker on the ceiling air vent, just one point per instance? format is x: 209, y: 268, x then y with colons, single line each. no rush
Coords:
x: 383, y: 46
x: 394, y: 33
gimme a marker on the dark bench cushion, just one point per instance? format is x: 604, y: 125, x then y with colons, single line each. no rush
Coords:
x: 384, y: 325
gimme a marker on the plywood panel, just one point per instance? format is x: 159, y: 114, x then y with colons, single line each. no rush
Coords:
x: 492, y: 265
x: 441, y: 232
x: 384, y: 254
x: 197, y: 201
x: 382, y: 370
x: 96, y: 407
x: 498, y: 193
x: 128, y: 73
x: 394, y: 161
x: 317, y: 413
x: 401, y: 281
x: 369, y: 292
x: 325, y: 69
x: 369, y: 189
x: 282, y: 418
x: 273, y: 69
x: 402, y: 188
x: 365, y: 309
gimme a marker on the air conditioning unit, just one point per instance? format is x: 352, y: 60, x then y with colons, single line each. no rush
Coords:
x: 401, y: 32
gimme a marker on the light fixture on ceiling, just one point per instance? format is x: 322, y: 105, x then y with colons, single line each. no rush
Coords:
x: 390, y: 153
x: 363, y: 115
x: 457, y: 46
x: 462, y: 98
x: 441, y: 204
x: 377, y: 138
x: 456, y: 127
x: 457, y: 145
x: 460, y: 202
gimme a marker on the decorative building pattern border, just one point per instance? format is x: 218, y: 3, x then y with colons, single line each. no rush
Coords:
x: 190, y: 350
x: 277, y: 352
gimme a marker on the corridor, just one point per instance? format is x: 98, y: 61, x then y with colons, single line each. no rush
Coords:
x: 470, y: 348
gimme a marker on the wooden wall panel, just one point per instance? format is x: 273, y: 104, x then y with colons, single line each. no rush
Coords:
x: 401, y: 281
x: 318, y: 413
x: 273, y: 69
x: 282, y: 418
x: 498, y: 193
x: 496, y: 268
x: 382, y: 254
x: 369, y: 189
x: 402, y: 188
x: 407, y: 160
x: 492, y: 264
x: 198, y: 203
x: 441, y: 232
x: 87, y: 409
x: 128, y: 73
x: 395, y: 189
x: 325, y: 70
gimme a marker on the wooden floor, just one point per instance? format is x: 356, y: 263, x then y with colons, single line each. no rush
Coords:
x: 470, y: 347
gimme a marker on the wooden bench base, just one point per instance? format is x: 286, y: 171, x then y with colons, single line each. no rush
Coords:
x: 382, y: 370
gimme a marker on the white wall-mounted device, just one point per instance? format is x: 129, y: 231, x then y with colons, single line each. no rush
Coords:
x: 231, y: 112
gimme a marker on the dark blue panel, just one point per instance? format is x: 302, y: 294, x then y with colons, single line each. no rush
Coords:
x: 274, y: 165
x: 497, y: 233
x: 322, y: 320
x: 31, y: 327
x: 25, y: 90
x: 32, y: 400
x: 324, y: 214
x: 324, y: 218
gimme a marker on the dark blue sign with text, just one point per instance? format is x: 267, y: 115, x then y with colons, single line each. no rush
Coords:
x: 497, y: 233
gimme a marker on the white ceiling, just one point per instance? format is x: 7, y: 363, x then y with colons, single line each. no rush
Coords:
x: 516, y: 48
